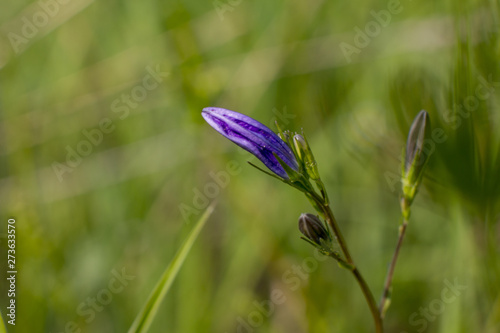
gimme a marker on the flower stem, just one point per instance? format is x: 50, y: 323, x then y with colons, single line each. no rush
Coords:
x: 330, y: 219
x: 332, y: 222
x: 379, y: 328
x: 390, y: 273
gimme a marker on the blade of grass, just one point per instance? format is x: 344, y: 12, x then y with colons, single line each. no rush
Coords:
x: 144, y: 319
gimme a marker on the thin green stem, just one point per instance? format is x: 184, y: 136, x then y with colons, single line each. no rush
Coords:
x: 390, y: 273
x: 379, y: 328
x: 370, y: 300
x: 332, y: 222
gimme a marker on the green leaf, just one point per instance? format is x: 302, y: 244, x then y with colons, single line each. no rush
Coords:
x: 144, y: 319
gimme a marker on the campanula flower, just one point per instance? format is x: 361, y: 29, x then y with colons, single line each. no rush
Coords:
x: 254, y: 137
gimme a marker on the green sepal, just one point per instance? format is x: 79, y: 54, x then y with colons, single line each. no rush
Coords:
x: 305, y: 156
x: 292, y: 174
x: 266, y: 172
x: 325, y: 249
x: 411, y: 180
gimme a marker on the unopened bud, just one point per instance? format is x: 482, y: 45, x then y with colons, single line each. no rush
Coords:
x: 415, y: 157
x: 311, y: 227
x: 306, y: 156
x: 419, y: 131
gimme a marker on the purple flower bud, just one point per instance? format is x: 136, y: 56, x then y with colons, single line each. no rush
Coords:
x: 311, y: 227
x: 253, y: 137
x: 419, y: 131
x: 416, y: 158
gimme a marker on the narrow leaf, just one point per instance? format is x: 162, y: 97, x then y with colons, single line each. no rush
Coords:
x: 144, y: 319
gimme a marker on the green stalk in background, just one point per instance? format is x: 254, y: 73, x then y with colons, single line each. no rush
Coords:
x: 413, y: 169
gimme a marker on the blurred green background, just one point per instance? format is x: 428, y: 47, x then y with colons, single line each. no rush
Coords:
x: 106, y: 162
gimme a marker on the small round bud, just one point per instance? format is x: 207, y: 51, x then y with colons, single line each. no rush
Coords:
x: 311, y: 227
